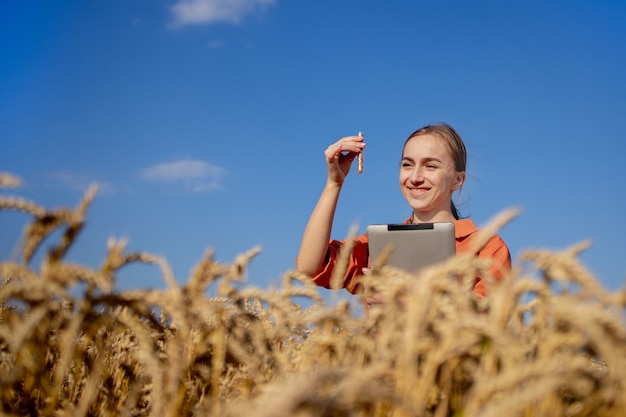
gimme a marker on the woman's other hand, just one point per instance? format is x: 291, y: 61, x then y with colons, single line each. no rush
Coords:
x: 373, y: 298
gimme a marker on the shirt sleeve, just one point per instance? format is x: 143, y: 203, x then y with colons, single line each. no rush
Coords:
x: 358, y: 259
x: 497, y: 250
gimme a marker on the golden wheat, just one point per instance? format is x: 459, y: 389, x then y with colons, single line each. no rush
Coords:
x: 548, y: 341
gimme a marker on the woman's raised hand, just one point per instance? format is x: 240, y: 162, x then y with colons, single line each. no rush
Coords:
x: 339, y: 157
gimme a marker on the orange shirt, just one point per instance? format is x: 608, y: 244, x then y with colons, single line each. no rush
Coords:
x: 464, y: 231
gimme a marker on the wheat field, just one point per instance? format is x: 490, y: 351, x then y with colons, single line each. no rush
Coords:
x: 549, y: 340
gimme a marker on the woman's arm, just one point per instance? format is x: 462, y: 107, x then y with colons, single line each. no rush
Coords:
x: 314, y: 245
x: 316, y: 235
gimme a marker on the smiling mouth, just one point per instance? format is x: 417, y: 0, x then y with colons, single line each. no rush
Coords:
x: 418, y: 191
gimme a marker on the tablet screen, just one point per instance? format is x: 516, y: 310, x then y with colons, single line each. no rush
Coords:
x: 414, y: 246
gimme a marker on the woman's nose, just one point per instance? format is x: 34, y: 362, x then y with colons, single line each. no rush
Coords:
x: 417, y: 175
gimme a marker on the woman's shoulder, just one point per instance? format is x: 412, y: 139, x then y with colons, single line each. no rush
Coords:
x: 464, y: 229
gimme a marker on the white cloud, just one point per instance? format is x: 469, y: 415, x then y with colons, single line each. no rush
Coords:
x: 198, y: 12
x: 217, y: 43
x: 79, y: 182
x: 197, y: 176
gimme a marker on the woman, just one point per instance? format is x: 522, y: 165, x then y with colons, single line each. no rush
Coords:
x: 431, y: 170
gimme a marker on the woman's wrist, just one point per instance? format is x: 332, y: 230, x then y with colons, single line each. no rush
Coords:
x: 333, y: 185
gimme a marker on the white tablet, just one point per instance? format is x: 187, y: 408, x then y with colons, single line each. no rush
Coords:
x: 414, y: 246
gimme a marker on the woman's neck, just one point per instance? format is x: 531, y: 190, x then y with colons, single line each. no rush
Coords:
x: 441, y: 216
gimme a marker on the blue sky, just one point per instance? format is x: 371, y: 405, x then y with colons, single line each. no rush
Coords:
x: 205, y: 121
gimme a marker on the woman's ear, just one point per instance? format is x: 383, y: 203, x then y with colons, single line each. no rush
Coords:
x: 460, y: 179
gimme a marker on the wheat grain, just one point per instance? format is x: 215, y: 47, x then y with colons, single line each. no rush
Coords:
x: 549, y: 340
x: 9, y: 181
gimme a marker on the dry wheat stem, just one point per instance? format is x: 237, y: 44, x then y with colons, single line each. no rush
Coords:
x: 336, y: 279
x: 530, y: 348
x: 8, y: 180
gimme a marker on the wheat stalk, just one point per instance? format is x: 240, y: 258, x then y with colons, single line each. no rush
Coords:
x: 549, y: 340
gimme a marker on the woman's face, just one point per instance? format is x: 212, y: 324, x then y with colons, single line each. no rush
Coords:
x: 428, y: 178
